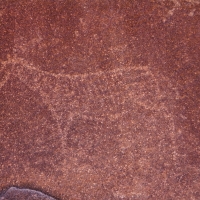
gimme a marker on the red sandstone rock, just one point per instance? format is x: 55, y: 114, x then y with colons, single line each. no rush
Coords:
x: 101, y: 99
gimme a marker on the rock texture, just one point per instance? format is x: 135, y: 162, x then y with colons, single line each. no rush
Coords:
x: 100, y: 99
x: 23, y: 194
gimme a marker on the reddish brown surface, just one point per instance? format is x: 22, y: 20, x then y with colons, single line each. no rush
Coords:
x: 101, y: 99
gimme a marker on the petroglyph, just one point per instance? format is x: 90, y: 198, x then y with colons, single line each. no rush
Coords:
x: 92, y: 98
x: 110, y: 95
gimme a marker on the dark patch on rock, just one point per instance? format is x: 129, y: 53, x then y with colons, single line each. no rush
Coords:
x: 14, y: 193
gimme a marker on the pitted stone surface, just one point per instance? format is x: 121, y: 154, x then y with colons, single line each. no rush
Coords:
x: 100, y: 99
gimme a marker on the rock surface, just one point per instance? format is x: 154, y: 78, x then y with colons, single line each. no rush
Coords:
x: 100, y: 99
x: 14, y: 193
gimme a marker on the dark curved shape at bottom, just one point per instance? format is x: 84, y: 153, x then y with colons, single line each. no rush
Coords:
x: 14, y: 193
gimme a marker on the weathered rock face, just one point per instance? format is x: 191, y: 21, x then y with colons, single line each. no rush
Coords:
x: 23, y: 194
x: 101, y: 99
